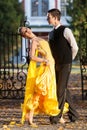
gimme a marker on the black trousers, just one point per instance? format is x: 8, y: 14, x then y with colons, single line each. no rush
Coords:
x: 63, y: 94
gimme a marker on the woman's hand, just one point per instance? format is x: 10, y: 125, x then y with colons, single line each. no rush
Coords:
x: 46, y: 62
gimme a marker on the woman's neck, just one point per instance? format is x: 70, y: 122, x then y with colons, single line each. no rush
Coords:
x: 34, y: 36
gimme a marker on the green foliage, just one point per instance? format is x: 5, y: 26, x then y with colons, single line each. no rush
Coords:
x: 78, y: 12
x: 11, y: 14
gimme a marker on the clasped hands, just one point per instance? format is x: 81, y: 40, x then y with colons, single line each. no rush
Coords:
x: 46, y: 62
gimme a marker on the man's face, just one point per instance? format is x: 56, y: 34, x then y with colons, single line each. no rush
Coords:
x: 50, y: 19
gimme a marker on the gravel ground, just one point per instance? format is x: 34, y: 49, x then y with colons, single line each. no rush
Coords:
x: 10, y: 112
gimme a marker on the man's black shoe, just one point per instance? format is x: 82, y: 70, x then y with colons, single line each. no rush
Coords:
x: 72, y: 119
x: 53, y: 120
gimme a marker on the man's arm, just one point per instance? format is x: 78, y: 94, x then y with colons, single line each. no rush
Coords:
x: 71, y: 39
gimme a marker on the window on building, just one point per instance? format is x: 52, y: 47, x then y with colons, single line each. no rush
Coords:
x: 39, y: 7
x: 63, y: 7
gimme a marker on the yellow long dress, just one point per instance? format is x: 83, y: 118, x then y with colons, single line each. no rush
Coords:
x: 40, y: 92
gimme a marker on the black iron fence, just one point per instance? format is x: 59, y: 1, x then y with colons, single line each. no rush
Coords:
x: 13, y: 65
x: 83, y: 62
x: 83, y: 66
x: 14, y: 60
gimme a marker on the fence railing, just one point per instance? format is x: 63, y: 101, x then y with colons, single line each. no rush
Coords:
x: 13, y: 65
x: 14, y: 60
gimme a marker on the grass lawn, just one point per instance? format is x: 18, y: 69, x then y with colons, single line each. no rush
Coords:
x: 75, y: 68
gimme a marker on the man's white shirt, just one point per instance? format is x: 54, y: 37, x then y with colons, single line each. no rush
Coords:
x: 71, y: 39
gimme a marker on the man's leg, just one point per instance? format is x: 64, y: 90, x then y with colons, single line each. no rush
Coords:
x: 73, y: 114
x: 64, y: 94
x: 62, y: 76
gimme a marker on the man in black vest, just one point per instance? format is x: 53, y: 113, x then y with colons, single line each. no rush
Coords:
x: 64, y: 49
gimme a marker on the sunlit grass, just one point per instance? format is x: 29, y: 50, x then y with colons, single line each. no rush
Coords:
x: 75, y: 68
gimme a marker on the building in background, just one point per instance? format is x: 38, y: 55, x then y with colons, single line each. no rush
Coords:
x: 36, y: 11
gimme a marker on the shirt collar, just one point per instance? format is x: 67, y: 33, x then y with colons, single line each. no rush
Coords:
x: 57, y: 26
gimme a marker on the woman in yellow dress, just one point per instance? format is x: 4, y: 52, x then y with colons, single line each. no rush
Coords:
x: 40, y: 92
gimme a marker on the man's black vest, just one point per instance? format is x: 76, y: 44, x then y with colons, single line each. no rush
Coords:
x: 60, y: 47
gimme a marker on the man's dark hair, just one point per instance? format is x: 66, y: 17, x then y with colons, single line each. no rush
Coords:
x: 55, y: 13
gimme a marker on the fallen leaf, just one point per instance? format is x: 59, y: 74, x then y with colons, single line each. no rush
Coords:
x: 12, y: 123
x: 60, y: 128
x: 5, y: 127
x: 19, y: 124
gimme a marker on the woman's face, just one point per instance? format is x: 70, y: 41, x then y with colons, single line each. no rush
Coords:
x: 26, y: 32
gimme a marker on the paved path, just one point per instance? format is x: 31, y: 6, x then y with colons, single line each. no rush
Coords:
x: 10, y: 112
